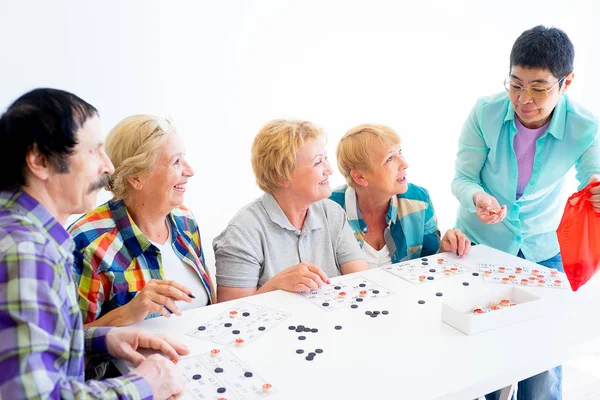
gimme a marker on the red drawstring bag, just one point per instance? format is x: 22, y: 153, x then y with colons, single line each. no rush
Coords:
x: 579, y: 238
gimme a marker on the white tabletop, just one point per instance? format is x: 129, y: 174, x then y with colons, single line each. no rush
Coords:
x: 410, y: 353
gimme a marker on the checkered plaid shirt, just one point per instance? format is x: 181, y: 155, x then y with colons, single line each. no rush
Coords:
x: 114, y: 260
x: 412, y: 230
x: 43, y: 341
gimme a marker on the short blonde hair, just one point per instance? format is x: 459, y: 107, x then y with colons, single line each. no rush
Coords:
x: 133, y: 146
x: 274, y: 151
x: 355, y: 149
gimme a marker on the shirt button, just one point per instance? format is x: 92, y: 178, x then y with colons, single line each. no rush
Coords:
x: 365, y: 229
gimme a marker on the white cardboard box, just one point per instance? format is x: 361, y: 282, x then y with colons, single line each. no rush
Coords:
x: 458, y: 311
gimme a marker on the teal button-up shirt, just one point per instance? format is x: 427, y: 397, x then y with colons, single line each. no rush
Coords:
x: 412, y: 230
x: 486, y: 161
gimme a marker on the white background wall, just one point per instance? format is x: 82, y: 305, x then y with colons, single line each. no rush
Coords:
x: 223, y: 68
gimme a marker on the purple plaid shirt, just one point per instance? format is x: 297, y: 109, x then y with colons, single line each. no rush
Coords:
x: 43, y: 341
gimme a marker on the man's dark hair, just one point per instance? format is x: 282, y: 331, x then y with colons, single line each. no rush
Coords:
x: 43, y: 119
x: 544, y: 48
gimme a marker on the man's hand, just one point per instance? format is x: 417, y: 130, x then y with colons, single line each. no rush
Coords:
x: 456, y: 242
x: 123, y: 343
x: 165, y: 379
x: 488, y: 208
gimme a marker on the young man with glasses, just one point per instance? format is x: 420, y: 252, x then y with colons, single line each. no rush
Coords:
x: 515, y: 150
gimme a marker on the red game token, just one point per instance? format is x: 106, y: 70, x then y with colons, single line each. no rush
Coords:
x: 541, y: 282
x: 519, y: 270
x: 239, y: 342
x: 557, y: 282
x: 478, y: 310
x: 504, y: 303
x: 505, y: 280
x: 422, y: 277
x: 512, y: 277
x: 532, y: 278
x: 214, y: 352
x: 233, y: 314
x: 363, y: 293
x: 494, y: 308
x: 447, y: 272
x: 342, y: 294
x: 540, y: 276
x: 501, y: 269
x: 440, y: 260
x: 535, y: 271
x: 487, y: 273
x: 524, y: 281
x: 267, y: 387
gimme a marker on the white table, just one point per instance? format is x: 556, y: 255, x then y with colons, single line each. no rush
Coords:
x: 410, y: 353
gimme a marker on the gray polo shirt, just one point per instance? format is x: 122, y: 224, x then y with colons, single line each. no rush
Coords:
x: 259, y: 242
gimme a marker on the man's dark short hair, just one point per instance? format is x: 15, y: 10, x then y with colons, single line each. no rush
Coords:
x: 42, y: 119
x: 544, y: 48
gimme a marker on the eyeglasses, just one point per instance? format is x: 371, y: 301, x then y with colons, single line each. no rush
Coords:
x: 536, y: 91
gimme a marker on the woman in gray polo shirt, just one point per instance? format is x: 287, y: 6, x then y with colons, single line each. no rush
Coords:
x: 293, y: 237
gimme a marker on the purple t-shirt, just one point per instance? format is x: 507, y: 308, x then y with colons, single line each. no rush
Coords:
x: 524, y: 146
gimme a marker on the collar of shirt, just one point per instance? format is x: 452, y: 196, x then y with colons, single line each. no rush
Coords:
x: 557, y: 122
x: 32, y: 210
x: 277, y: 215
x: 355, y: 217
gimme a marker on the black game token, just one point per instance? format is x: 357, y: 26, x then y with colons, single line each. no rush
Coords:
x: 376, y: 312
x: 373, y: 315
x: 299, y: 351
x: 424, y: 259
x: 201, y: 328
x: 430, y: 278
x: 235, y: 332
x: 292, y: 328
x: 221, y: 390
x: 375, y: 291
x: 325, y: 304
x: 439, y: 294
x: 248, y: 374
x: 362, y: 285
x: 309, y: 358
x: 261, y: 328
x: 432, y: 270
x: 359, y: 299
x: 298, y: 330
x: 314, y: 330
x: 301, y: 337
x: 354, y: 306
x: 312, y: 354
x: 318, y: 351
x: 385, y: 312
x: 307, y: 329
x: 465, y: 283
x: 368, y: 312
x: 421, y: 301
x: 197, y: 377
x: 425, y: 263
x: 338, y: 327
x: 246, y: 314
x: 300, y: 327
x: 337, y: 287
x: 475, y: 273
x: 218, y: 370
x: 227, y: 325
